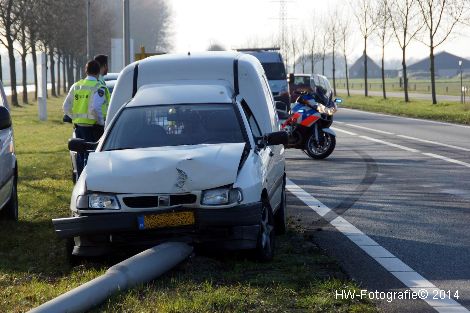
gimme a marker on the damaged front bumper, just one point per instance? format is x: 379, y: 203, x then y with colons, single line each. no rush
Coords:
x: 96, y: 234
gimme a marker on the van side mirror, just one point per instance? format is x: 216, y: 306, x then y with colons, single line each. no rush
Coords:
x: 5, y: 118
x: 80, y: 145
x: 277, y: 138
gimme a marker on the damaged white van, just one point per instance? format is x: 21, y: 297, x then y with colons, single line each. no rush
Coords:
x: 192, y: 152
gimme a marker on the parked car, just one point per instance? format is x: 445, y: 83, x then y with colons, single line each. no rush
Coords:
x: 273, y: 65
x: 192, y: 151
x: 8, y: 164
x: 298, y: 84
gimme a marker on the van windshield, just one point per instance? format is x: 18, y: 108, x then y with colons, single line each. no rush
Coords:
x: 274, y: 71
x: 174, y: 125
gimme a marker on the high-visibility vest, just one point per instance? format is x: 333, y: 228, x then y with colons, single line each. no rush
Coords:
x: 107, y: 98
x: 83, y: 92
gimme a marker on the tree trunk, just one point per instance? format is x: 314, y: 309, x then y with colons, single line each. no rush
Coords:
x: 334, y: 72
x: 23, y: 73
x: 51, y: 58
x: 347, y: 74
x: 1, y: 69
x: 383, y: 73
x: 405, y: 76
x: 64, y: 74
x: 433, y: 75
x: 11, y: 56
x: 35, y: 70
x: 77, y: 70
x: 323, y: 63
x: 58, y: 74
x: 47, y: 77
x: 312, y: 58
x: 366, y: 89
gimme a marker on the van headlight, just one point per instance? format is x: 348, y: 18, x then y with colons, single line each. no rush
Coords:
x: 221, y: 196
x: 103, y: 202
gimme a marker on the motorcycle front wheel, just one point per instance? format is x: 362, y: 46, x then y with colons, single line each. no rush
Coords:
x: 320, y: 150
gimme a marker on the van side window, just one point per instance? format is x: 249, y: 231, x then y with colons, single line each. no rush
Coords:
x: 251, y: 120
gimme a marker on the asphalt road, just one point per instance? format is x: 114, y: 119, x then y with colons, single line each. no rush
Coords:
x: 405, y: 184
x: 412, y: 95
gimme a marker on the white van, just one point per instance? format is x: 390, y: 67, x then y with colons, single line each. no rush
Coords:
x: 273, y: 64
x: 191, y: 151
x: 8, y: 164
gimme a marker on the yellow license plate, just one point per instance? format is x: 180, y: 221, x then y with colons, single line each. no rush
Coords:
x: 166, y: 220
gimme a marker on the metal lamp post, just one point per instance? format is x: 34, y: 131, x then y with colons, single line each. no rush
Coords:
x: 88, y: 31
x: 461, y: 82
x: 126, y: 32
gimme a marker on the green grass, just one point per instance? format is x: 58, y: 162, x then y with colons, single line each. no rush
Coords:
x: 443, y: 86
x: 443, y: 111
x: 34, y: 267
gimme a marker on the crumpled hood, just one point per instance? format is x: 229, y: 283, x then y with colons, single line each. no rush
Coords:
x: 164, y: 170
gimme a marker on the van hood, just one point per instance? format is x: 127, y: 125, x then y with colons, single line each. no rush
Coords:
x: 164, y: 170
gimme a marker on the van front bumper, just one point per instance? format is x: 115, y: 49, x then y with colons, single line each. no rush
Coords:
x: 97, y: 234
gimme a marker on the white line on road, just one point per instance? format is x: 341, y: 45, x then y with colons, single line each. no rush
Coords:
x: 344, y: 131
x: 408, y: 118
x: 437, y: 156
x: 390, y: 144
x: 434, y: 143
x: 370, y: 129
x: 410, y: 278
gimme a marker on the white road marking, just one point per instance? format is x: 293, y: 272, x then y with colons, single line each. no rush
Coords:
x: 408, y: 118
x: 344, y: 131
x: 437, y: 156
x: 390, y: 144
x: 409, y: 277
x: 370, y: 129
x: 434, y: 143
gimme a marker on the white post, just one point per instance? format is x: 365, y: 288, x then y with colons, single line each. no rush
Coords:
x: 126, y: 32
x: 42, y: 87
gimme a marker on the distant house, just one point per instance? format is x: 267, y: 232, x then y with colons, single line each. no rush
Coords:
x: 447, y: 65
x: 357, y: 69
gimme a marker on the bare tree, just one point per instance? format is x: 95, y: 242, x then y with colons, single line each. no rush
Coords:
x: 9, y: 15
x: 333, y: 35
x: 294, y: 48
x: 303, y: 46
x: 313, y: 46
x: 215, y: 46
x: 345, y: 34
x: 405, y: 22
x: 384, y: 35
x: 365, y: 12
x: 440, y: 18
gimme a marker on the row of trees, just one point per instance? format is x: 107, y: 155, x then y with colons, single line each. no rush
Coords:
x: 55, y: 27
x: 430, y: 22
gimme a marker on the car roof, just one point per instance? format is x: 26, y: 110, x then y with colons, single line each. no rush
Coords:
x: 161, y: 94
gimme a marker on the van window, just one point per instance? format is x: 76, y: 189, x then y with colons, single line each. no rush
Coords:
x: 251, y: 120
x: 275, y: 71
x: 174, y: 125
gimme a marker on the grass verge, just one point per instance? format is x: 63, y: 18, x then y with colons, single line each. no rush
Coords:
x: 444, y: 111
x: 34, y: 268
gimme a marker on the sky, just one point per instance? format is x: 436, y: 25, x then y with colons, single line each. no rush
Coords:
x: 235, y: 23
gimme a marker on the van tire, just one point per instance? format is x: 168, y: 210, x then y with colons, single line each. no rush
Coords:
x: 10, y: 210
x: 280, y: 218
x: 266, y: 237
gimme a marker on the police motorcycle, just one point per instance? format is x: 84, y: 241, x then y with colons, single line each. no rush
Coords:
x: 309, y: 122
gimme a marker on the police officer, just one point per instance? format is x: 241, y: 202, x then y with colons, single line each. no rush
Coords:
x: 102, y: 59
x: 84, y: 105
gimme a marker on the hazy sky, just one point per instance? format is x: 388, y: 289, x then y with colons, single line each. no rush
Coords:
x: 235, y: 22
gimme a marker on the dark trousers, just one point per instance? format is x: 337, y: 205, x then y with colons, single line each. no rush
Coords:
x: 90, y: 134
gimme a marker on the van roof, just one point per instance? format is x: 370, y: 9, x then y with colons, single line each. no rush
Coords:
x: 266, y: 56
x: 239, y: 75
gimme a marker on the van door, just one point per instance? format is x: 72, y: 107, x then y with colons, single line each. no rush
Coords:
x: 6, y: 169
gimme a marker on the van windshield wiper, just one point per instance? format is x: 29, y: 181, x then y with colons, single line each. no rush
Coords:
x: 124, y: 148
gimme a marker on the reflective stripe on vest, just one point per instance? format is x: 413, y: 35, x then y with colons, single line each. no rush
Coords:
x: 82, y: 97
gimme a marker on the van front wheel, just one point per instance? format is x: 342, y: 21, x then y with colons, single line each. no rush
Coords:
x: 266, y: 236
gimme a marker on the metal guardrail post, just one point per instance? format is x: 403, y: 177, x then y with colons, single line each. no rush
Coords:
x: 138, y: 269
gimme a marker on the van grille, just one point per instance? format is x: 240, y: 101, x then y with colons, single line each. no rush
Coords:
x: 152, y: 201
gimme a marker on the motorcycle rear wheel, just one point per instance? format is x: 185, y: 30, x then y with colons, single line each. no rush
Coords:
x: 317, y: 151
